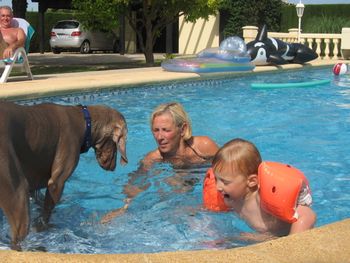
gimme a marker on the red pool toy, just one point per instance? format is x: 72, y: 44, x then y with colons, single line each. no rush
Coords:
x: 340, y: 69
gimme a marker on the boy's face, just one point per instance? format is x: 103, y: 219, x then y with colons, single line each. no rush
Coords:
x: 231, y: 184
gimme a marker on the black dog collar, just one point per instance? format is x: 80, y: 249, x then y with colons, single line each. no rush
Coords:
x: 87, y: 136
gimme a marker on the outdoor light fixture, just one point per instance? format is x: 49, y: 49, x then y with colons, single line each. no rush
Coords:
x: 300, y: 10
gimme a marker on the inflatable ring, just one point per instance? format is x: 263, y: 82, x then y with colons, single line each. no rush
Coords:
x: 207, y: 65
x: 231, y: 56
x: 212, y: 199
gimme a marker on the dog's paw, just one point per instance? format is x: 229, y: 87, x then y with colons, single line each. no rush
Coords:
x: 37, y: 249
x: 16, y: 246
x: 40, y: 225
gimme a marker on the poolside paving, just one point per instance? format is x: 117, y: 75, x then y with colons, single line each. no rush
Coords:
x: 46, y: 85
x: 328, y: 244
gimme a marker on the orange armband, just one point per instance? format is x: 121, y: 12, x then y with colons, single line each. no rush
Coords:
x: 279, y: 187
x: 212, y: 199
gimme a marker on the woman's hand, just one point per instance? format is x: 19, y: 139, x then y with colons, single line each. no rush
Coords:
x: 118, y: 212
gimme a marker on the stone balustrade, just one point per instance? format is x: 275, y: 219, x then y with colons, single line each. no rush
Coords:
x: 327, y: 46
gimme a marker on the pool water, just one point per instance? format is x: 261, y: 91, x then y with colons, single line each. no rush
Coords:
x: 305, y: 127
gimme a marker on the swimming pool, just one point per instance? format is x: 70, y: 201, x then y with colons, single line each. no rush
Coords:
x: 304, y: 127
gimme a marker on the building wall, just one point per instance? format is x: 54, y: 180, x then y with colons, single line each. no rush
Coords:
x: 194, y: 37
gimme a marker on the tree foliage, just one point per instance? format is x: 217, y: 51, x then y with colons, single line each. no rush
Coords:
x: 146, y: 17
x: 240, y: 13
x: 97, y: 14
x: 19, y: 8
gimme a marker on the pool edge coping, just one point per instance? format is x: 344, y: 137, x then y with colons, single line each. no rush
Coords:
x: 326, y: 244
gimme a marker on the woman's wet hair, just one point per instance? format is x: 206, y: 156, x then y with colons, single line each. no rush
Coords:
x: 239, y: 155
x: 178, y: 114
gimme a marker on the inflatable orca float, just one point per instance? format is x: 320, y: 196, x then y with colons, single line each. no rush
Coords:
x: 266, y: 50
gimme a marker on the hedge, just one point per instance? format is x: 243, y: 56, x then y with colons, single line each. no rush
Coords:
x: 51, y: 18
x: 317, y: 18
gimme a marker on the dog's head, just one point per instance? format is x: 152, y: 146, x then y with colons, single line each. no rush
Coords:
x: 109, y: 132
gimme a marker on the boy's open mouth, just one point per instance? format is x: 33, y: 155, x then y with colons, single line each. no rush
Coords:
x: 227, y: 196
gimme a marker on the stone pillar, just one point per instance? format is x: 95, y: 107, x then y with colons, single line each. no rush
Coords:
x: 345, y: 42
x: 249, y: 33
x: 293, y: 35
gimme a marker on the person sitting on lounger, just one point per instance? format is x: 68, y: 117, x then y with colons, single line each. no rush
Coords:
x: 11, y: 38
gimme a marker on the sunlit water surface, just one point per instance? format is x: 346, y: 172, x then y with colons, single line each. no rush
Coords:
x: 306, y: 127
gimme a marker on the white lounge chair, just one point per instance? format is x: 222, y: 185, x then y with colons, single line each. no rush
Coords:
x: 19, y: 58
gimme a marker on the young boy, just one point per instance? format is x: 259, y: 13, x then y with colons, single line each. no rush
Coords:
x: 236, y: 168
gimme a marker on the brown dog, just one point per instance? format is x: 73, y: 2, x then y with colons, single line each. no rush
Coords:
x: 40, y: 147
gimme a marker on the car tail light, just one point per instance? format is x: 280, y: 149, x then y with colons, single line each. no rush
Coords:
x: 76, y: 33
x: 52, y: 34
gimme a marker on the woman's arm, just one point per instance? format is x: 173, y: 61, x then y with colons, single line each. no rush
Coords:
x: 132, y: 188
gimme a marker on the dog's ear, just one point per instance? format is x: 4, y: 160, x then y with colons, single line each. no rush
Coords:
x: 119, y: 137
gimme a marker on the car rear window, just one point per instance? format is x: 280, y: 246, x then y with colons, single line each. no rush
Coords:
x: 66, y: 25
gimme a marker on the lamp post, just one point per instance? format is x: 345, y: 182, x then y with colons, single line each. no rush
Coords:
x: 300, y: 10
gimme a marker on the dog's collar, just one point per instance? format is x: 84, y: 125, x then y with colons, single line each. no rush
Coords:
x: 87, y: 136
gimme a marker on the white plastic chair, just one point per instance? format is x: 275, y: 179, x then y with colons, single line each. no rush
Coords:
x: 19, y: 58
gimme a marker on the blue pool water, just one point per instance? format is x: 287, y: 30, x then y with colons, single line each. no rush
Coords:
x: 306, y: 127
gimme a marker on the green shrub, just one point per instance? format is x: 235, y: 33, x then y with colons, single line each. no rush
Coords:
x: 169, y: 56
x: 325, y: 24
x: 239, y: 13
x: 328, y: 18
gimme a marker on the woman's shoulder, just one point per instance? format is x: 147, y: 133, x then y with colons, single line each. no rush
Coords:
x: 204, y: 140
x: 151, y: 157
x: 205, y: 144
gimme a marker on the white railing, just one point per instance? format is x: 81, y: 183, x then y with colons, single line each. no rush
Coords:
x: 327, y: 46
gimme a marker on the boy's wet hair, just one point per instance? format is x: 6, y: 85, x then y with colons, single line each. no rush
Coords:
x: 241, y: 156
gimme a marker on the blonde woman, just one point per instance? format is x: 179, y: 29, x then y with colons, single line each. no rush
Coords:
x: 172, y: 131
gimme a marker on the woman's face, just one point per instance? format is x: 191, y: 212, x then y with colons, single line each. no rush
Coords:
x: 166, y: 133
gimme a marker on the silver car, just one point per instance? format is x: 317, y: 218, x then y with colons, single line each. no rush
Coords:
x: 70, y: 35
